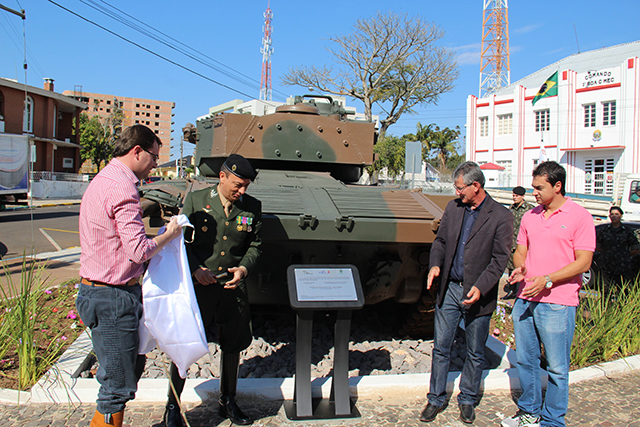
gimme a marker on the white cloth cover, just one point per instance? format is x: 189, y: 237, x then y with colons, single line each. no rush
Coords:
x: 171, y: 317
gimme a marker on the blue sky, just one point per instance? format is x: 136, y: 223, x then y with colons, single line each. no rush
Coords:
x: 74, y: 52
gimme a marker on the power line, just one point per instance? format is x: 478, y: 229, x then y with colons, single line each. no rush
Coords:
x: 233, y: 74
x: 150, y: 51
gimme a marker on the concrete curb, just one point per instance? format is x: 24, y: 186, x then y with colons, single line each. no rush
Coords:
x: 57, y: 385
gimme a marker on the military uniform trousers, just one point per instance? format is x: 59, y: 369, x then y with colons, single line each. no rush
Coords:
x: 228, y: 309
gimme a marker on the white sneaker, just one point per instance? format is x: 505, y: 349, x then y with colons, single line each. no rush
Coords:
x: 522, y: 419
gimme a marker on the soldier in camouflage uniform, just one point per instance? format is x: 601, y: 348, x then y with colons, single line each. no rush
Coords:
x: 518, y: 209
x: 615, y: 247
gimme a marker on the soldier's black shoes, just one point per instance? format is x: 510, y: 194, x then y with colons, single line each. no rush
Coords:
x: 429, y: 413
x: 467, y: 413
x: 229, y: 409
x: 172, y: 416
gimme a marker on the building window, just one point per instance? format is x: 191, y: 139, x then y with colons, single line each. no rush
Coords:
x: 157, y: 124
x: 137, y: 105
x: 108, y: 102
x: 609, y: 113
x: 156, y: 132
x: 55, y: 121
x: 157, y: 115
x: 108, y: 110
x: 542, y: 120
x: 505, y: 124
x: 157, y: 107
x: 504, y: 178
x: 598, y: 176
x: 589, y: 115
x: 147, y: 114
x: 137, y: 113
x: 27, y: 120
x: 484, y: 126
x: 1, y: 106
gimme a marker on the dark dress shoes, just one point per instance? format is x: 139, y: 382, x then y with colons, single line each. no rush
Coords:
x: 229, y: 409
x: 467, y: 413
x: 172, y: 416
x: 429, y: 413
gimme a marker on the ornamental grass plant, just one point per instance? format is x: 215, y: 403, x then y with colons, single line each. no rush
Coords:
x: 607, y: 324
x: 36, y: 325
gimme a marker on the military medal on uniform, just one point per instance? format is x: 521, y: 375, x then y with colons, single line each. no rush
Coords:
x: 244, y: 223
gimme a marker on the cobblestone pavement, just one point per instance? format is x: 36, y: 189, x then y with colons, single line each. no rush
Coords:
x: 606, y: 402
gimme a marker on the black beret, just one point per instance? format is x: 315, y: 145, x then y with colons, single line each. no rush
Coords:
x: 519, y: 191
x: 240, y: 167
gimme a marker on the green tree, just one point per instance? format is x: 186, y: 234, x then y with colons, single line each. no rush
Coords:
x: 390, y: 154
x: 389, y: 60
x: 439, y: 146
x: 98, y: 135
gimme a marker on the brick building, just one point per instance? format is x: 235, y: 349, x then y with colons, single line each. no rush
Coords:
x: 47, y: 120
x: 157, y: 115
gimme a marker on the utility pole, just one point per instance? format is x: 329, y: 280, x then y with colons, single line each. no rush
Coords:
x: 21, y: 14
x: 495, y: 70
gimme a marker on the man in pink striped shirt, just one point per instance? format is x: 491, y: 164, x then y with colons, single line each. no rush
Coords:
x: 114, y: 247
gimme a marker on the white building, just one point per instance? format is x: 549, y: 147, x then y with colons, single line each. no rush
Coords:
x: 592, y: 126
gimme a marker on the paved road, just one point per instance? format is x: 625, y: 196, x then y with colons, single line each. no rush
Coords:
x: 605, y: 402
x: 52, y: 229
x: 52, y: 232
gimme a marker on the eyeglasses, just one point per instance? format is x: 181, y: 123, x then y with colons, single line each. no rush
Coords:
x: 155, y: 156
x: 461, y: 189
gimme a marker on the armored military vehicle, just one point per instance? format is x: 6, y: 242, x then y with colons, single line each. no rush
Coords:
x: 308, y: 155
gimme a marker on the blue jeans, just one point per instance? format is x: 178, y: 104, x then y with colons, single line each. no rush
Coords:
x: 551, y: 325
x: 447, y: 319
x: 113, y: 314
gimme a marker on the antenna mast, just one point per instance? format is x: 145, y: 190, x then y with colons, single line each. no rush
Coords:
x: 266, y: 50
x: 495, y: 71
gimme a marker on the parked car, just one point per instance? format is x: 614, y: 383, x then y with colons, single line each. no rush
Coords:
x: 595, y: 270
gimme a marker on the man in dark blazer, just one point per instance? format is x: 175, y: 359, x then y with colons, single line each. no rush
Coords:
x: 222, y: 251
x: 469, y: 256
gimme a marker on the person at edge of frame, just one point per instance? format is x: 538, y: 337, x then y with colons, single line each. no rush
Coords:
x: 469, y: 255
x: 519, y: 207
x: 114, y: 247
x: 222, y: 249
x: 555, y: 246
x: 616, y: 247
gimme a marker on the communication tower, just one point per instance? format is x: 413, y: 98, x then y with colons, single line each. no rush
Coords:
x: 495, y: 71
x: 266, y: 50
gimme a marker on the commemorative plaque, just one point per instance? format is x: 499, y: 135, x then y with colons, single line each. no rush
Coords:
x: 323, y: 287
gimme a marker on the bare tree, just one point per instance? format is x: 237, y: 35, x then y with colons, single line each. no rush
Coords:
x: 389, y: 60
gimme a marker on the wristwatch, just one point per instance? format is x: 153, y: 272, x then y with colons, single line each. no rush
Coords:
x: 549, y: 283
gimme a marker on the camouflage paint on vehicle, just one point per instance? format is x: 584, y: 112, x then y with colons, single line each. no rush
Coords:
x: 310, y: 216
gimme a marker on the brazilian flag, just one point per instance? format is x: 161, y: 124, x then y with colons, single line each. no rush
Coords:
x: 548, y: 88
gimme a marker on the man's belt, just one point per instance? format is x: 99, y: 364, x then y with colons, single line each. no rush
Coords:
x: 131, y: 282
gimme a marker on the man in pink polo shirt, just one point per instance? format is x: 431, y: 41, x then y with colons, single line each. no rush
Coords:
x: 114, y: 247
x: 555, y: 246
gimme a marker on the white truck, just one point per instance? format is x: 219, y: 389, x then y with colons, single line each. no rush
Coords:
x: 629, y: 197
x: 14, y: 168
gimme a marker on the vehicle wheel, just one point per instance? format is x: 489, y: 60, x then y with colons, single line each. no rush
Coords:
x: 587, y: 277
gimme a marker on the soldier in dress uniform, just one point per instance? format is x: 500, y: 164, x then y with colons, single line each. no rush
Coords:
x: 518, y: 209
x: 222, y: 250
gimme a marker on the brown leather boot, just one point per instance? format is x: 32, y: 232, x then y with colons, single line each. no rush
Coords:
x: 107, y: 420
